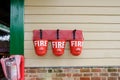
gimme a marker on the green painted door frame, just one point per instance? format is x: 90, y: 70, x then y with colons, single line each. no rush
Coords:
x: 17, y: 27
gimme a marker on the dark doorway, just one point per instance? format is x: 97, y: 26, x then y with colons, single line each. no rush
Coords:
x: 5, y: 12
x: 4, y: 31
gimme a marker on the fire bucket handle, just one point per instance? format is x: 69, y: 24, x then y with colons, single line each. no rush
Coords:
x: 40, y: 33
x: 57, y: 34
x: 74, y: 31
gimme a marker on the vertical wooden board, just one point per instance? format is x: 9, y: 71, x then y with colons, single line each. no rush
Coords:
x: 17, y: 27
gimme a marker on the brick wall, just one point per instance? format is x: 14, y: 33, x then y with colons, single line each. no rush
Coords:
x: 72, y: 73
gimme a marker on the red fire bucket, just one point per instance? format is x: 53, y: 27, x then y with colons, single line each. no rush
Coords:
x: 40, y: 46
x: 58, y: 47
x: 76, y: 47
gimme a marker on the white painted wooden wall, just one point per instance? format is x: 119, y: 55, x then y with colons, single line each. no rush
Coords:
x: 99, y: 20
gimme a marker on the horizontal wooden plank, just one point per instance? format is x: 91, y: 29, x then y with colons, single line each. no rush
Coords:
x: 28, y: 45
x: 88, y: 36
x: 71, y: 19
x: 73, y: 2
x: 71, y: 62
x: 91, y: 54
x: 84, y: 27
x: 73, y: 10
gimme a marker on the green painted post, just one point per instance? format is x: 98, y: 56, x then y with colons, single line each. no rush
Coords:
x: 17, y: 27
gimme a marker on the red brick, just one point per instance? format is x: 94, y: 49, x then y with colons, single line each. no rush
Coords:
x: 96, y: 70
x: 85, y: 70
x: 60, y: 74
x: 57, y: 79
x: 26, y: 79
x: 95, y: 74
x: 112, y: 70
x: 33, y: 75
x: 66, y: 70
x: 118, y: 78
x: 103, y: 78
x: 77, y: 74
x: 114, y: 74
x: 69, y: 74
x: 30, y: 75
x: 27, y: 71
x: 95, y: 78
x: 75, y: 70
x: 85, y: 78
x: 103, y: 74
x: 32, y: 71
x: 40, y: 78
x: 103, y: 70
x: 87, y: 74
x: 26, y: 75
x: 41, y: 70
x: 112, y: 78
x: 33, y: 79
x: 118, y: 69
x: 76, y: 79
x: 58, y: 70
